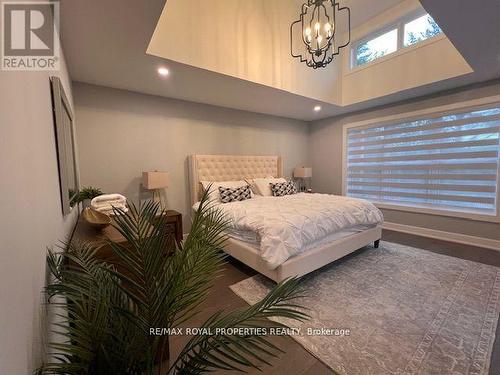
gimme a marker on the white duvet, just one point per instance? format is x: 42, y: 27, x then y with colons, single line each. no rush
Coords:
x: 287, y: 225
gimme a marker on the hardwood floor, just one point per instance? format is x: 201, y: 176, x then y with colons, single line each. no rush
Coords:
x: 296, y: 360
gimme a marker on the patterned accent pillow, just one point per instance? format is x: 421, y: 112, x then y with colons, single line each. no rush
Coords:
x: 228, y: 194
x: 283, y: 188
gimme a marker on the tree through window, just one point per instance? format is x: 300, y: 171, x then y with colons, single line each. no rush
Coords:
x: 420, y: 29
x: 412, y: 32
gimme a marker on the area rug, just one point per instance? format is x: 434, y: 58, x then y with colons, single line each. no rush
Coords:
x: 396, y: 310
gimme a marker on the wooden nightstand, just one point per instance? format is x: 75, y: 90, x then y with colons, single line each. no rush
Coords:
x: 86, y: 233
x: 174, y: 225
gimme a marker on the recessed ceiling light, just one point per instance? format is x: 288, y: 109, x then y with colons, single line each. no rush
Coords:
x: 317, y: 108
x: 163, y: 71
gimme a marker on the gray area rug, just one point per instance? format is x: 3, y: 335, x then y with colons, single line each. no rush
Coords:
x: 409, y: 311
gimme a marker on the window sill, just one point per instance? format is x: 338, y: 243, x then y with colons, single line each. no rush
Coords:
x: 469, y: 215
x: 400, y: 52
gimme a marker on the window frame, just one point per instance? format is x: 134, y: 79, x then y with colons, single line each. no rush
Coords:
x: 401, y: 48
x: 375, y: 35
x: 466, y: 106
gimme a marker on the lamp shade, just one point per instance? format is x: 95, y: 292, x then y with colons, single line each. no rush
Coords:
x: 302, y: 172
x: 155, y: 180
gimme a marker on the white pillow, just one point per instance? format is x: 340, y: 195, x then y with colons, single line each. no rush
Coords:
x: 261, y: 185
x: 214, y: 188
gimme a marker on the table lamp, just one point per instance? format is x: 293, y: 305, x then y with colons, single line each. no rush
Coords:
x: 156, y: 181
x: 302, y: 173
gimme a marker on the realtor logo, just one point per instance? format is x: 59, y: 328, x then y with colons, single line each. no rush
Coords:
x: 30, y: 39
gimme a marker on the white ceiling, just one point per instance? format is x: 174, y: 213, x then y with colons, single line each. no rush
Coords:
x: 363, y: 10
x: 105, y: 44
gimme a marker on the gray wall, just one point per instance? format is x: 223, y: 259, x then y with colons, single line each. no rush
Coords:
x: 121, y: 133
x: 326, y: 159
x: 31, y: 216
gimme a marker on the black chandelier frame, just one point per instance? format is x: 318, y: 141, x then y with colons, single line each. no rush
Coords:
x: 319, y: 58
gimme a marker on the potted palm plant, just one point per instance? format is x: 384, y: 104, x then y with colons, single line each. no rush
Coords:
x: 85, y: 195
x: 107, y: 311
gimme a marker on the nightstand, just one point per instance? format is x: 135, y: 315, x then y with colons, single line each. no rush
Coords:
x: 86, y: 233
x: 174, y: 225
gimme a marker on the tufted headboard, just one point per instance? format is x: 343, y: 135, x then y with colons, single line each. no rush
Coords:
x: 230, y: 168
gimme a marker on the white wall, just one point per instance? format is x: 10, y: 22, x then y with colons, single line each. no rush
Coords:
x: 427, y: 62
x: 31, y: 216
x: 244, y: 39
x: 251, y: 40
x: 121, y: 133
x: 326, y: 159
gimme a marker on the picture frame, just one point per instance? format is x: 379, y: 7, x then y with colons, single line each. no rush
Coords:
x: 65, y: 145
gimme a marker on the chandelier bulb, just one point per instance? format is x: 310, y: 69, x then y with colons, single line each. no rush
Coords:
x: 317, y: 26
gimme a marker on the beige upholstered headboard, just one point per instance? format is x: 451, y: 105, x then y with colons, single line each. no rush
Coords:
x: 230, y: 168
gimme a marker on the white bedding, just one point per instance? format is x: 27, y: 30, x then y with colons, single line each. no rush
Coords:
x: 252, y: 238
x: 291, y: 224
x: 248, y: 236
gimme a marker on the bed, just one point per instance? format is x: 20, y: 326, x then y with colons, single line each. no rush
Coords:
x: 246, y: 246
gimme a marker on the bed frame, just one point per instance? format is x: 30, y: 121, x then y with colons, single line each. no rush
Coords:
x: 240, y: 167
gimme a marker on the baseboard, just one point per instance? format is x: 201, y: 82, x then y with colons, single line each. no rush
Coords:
x: 446, y: 236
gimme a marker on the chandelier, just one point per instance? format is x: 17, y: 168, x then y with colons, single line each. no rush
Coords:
x: 318, y: 42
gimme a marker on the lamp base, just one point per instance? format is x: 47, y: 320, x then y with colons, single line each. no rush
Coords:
x: 154, y: 195
x: 158, y: 198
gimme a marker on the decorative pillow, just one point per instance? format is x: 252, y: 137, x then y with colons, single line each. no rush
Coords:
x: 283, y: 188
x: 228, y: 194
x: 214, y: 187
x: 261, y: 185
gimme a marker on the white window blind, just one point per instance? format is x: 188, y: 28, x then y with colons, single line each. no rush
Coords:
x: 445, y: 163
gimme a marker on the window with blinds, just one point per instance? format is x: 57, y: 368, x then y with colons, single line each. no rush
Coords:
x: 445, y: 163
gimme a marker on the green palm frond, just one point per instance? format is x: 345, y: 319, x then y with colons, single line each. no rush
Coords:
x: 195, y: 266
x: 84, y: 295
x: 106, y: 311
x: 234, y: 352
x: 166, y: 282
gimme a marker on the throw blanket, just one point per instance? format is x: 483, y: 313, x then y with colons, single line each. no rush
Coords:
x: 290, y: 223
x: 109, y: 199
x: 106, y: 202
